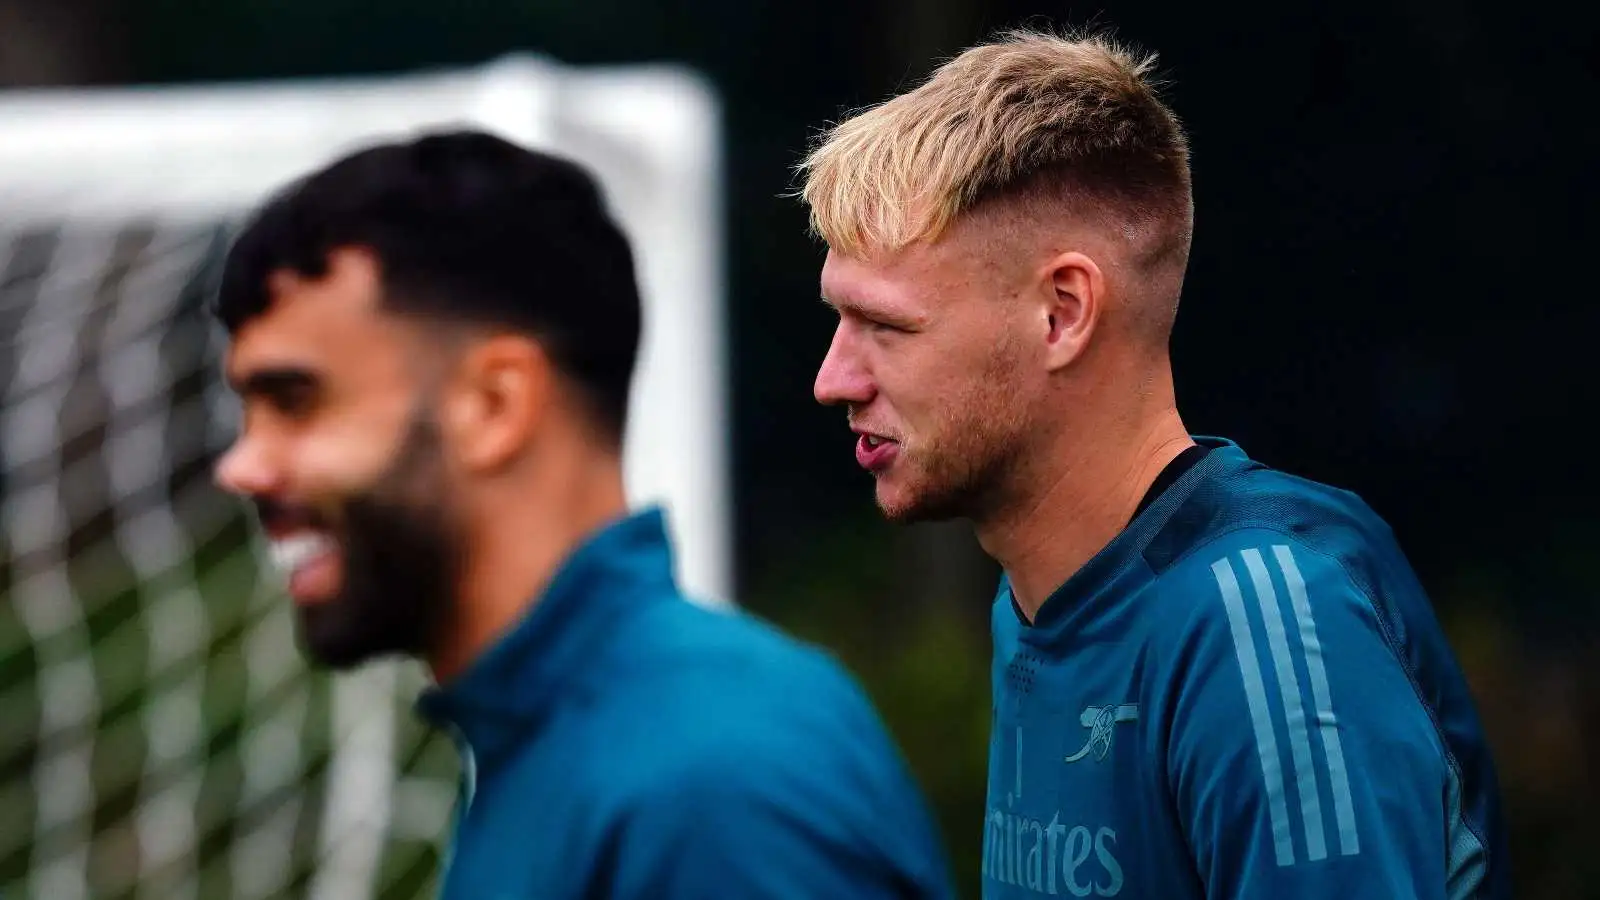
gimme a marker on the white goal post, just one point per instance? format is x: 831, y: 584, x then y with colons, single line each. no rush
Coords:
x: 133, y: 643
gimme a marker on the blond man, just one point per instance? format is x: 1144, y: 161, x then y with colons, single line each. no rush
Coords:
x: 1211, y: 678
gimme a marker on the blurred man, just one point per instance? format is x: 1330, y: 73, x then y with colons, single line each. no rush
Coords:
x: 434, y: 342
x: 1211, y: 679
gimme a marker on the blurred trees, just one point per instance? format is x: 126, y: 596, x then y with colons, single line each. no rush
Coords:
x: 48, y: 42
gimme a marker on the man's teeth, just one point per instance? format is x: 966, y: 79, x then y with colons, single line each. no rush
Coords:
x: 873, y: 440
x: 295, y: 551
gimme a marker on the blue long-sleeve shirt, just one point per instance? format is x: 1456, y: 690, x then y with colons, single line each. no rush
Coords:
x: 1245, y: 695
x: 623, y: 742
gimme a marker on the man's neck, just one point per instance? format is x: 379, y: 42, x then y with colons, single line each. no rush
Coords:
x: 1078, y: 502
x: 527, y: 532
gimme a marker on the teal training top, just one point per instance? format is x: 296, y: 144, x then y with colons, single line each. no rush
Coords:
x: 1245, y: 695
x: 624, y: 742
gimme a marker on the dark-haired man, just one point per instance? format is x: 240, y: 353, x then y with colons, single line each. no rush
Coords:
x: 433, y: 341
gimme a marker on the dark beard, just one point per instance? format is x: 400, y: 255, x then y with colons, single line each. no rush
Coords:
x: 401, y: 560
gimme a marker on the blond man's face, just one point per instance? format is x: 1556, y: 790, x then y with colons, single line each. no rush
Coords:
x: 930, y: 361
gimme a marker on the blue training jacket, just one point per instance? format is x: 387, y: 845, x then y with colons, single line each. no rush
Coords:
x: 1245, y: 696
x: 624, y: 742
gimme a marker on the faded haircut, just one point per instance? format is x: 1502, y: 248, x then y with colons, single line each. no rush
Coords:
x: 1071, y: 122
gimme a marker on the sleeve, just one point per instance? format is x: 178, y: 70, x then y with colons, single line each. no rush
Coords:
x: 1301, y: 760
x: 761, y: 829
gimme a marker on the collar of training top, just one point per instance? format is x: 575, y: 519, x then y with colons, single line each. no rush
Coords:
x: 1103, y: 572
x: 508, y: 689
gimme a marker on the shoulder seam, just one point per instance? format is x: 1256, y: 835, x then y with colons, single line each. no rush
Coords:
x: 1195, y: 550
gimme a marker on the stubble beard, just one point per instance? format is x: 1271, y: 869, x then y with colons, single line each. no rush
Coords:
x: 961, y: 471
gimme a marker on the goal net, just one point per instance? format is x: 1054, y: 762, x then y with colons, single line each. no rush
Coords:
x: 160, y: 734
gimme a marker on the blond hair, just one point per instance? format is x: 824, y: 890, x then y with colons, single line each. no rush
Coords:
x: 1066, y: 117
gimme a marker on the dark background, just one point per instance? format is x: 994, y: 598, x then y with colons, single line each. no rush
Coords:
x: 1390, y: 291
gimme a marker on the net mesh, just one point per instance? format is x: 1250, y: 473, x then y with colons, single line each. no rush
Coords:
x: 162, y: 736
